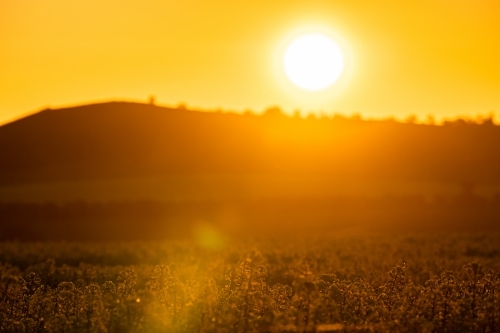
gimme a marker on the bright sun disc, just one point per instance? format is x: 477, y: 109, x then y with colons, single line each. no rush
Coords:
x: 313, y: 62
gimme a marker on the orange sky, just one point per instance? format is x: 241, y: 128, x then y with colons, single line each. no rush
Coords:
x: 404, y: 57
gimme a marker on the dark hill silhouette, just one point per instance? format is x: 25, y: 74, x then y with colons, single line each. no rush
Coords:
x: 137, y: 171
x: 119, y: 140
x: 122, y: 140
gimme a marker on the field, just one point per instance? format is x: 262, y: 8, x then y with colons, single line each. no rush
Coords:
x: 371, y: 283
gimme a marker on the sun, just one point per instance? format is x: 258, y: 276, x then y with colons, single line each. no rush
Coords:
x: 313, y: 61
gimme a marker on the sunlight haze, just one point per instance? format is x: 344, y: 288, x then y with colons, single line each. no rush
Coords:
x: 427, y: 57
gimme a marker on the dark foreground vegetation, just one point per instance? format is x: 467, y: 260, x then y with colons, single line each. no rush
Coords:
x: 384, y: 283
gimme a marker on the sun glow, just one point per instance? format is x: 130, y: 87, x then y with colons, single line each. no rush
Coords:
x: 313, y: 62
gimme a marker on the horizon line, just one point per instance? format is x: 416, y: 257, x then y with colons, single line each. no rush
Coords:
x: 411, y: 118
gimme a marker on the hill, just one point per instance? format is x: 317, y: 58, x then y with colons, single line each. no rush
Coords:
x: 126, y: 140
x: 136, y: 171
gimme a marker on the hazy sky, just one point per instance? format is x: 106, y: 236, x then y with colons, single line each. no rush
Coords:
x: 421, y: 57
